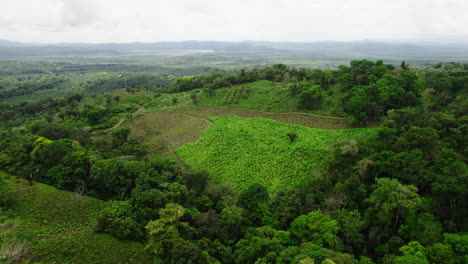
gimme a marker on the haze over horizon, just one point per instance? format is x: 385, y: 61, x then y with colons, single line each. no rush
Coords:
x: 106, y: 21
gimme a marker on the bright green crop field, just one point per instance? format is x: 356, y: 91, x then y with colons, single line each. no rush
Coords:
x: 243, y: 151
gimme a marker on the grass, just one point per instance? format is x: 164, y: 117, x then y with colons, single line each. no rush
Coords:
x: 304, y: 119
x: 262, y: 95
x: 58, y: 226
x: 166, y: 130
x: 243, y: 151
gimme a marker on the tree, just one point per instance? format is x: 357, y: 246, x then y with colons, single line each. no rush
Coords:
x: 260, y: 245
x: 403, y: 65
x: 253, y: 200
x: 317, y: 228
x: 114, y: 178
x: 351, y: 225
x: 232, y: 220
x: 389, y: 202
x: 310, y: 99
x: 51, y: 153
x: 121, y: 220
x: 286, y: 206
x: 120, y: 136
x: 209, y: 223
x: 346, y: 81
x: 441, y: 253
x: 459, y: 244
x: 165, y: 234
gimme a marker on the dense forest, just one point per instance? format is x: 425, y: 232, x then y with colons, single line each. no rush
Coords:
x: 395, y: 194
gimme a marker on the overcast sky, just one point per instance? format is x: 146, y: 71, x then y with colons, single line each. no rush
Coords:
x: 234, y: 20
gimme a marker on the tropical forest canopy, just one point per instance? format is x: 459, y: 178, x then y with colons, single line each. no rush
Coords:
x: 363, y: 163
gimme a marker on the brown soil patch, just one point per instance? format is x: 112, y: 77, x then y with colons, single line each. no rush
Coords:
x: 165, y: 132
x: 304, y: 119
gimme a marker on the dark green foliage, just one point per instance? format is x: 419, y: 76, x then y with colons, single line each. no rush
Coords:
x: 166, y: 235
x: 292, y: 136
x: 286, y: 206
x: 121, y: 220
x: 114, y: 178
x: 4, y: 191
x: 32, y: 86
x: 51, y: 153
x: 310, y: 99
x: 396, y: 196
x: 260, y: 244
x: 120, y: 136
x: 254, y: 200
x: 317, y: 228
x: 404, y: 65
x: 50, y: 130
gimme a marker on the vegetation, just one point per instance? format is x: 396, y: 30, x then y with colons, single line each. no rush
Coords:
x: 243, y: 151
x: 80, y: 186
x: 44, y: 224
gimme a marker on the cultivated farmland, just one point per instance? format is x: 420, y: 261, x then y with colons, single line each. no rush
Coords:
x: 243, y: 151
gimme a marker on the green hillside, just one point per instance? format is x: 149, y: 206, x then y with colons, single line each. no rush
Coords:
x: 257, y: 150
x: 261, y: 95
x: 56, y: 226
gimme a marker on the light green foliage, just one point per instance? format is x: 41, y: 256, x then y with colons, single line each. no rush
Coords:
x: 459, y: 243
x: 165, y: 238
x: 413, y: 253
x: 392, y: 200
x: 307, y: 253
x: 441, y: 253
x: 256, y: 150
x: 262, y: 95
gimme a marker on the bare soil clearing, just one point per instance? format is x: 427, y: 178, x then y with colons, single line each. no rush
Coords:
x: 165, y: 131
x: 304, y: 119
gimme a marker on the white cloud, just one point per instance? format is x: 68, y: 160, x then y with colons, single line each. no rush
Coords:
x: 276, y: 20
x: 78, y: 12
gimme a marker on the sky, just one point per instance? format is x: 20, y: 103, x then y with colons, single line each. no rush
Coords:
x: 98, y: 21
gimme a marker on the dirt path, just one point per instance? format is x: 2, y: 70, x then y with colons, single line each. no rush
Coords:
x: 125, y: 117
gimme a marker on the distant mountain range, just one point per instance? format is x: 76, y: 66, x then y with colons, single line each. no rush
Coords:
x: 14, y: 48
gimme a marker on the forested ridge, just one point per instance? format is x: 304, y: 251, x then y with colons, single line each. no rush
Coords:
x: 396, y: 195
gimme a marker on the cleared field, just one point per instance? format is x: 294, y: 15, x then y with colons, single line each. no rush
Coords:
x: 304, y: 119
x: 165, y: 132
x: 244, y: 151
